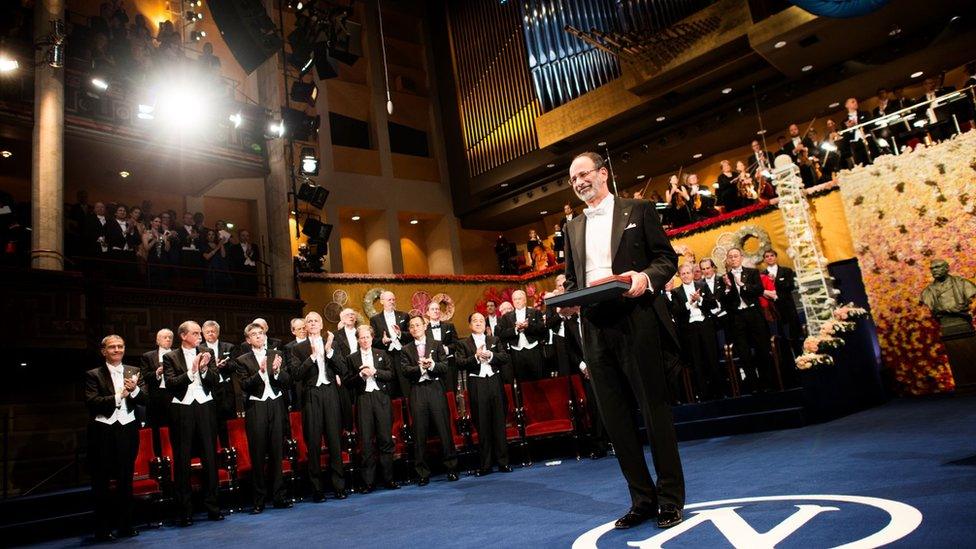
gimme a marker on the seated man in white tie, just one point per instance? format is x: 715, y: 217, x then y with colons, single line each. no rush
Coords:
x: 112, y: 392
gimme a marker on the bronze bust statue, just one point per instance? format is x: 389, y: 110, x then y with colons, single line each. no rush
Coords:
x: 949, y: 297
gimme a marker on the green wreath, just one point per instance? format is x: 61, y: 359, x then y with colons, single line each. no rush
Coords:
x: 371, y: 296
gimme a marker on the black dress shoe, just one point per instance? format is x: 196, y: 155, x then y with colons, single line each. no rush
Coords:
x: 668, y: 516
x: 287, y: 504
x: 128, y: 533
x: 392, y: 485
x: 185, y: 521
x: 452, y: 477
x: 104, y: 537
x: 424, y: 481
x: 318, y: 497
x: 341, y: 494
x: 482, y: 472
x: 215, y: 516
x: 504, y: 468
x: 634, y: 517
x: 598, y: 454
x: 368, y: 489
x: 258, y: 509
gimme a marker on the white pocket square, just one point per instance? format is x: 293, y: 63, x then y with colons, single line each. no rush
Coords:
x: 631, y: 226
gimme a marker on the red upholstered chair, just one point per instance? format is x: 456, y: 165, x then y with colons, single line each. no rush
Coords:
x: 150, y: 479
x: 515, y: 422
x: 237, y: 437
x: 550, y: 409
x: 300, y: 450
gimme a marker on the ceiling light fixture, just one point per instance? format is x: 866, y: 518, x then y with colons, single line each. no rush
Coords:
x: 601, y: 144
x: 414, y: 221
x: 696, y: 156
x: 641, y: 176
x: 661, y: 118
x: 727, y: 91
x: 833, y: 105
x: 6, y: 154
x: 550, y: 165
x: 123, y: 174
x: 806, y: 68
x: 916, y: 74
x: 544, y: 212
x: 779, y: 44
x: 355, y: 217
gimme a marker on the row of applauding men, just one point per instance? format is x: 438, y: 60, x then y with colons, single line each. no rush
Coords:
x: 186, y: 384
x: 744, y: 307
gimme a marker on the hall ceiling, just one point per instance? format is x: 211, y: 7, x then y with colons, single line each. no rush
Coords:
x: 850, y: 57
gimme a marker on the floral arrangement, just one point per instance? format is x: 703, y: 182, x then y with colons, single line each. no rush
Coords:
x: 849, y: 312
x: 833, y: 327
x: 904, y: 211
x: 821, y: 344
x: 809, y: 360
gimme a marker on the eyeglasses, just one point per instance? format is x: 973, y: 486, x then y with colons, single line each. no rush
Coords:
x: 581, y: 175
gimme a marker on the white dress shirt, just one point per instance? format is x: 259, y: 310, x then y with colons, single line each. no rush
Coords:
x: 435, y: 330
x: 736, y: 274
x: 930, y: 112
x: 523, y: 341
x: 421, y: 352
x: 485, y: 371
x: 710, y: 282
x: 259, y: 355
x: 351, y: 338
x: 246, y: 248
x: 694, y: 307
x: 161, y: 377
x: 391, y: 323
x: 195, y: 392
x: 771, y: 271
x: 122, y: 414
x: 125, y: 227
x: 367, y: 357
x: 492, y: 322
x: 319, y: 359
x: 599, y: 256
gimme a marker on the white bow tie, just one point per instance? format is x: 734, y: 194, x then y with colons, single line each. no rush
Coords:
x: 594, y: 212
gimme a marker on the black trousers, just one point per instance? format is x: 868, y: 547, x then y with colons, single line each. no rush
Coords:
x: 488, y: 412
x: 623, y: 350
x: 529, y: 364
x: 112, y: 451
x: 428, y: 405
x: 195, y: 423
x: 225, y: 402
x: 598, y: 433
x: 265, y: 442
x: 322, y: 414
x: 401, y: 387
x: 750, y: 333
x: 376, y: 420
x: 701, y: 344
x: 158, y: 415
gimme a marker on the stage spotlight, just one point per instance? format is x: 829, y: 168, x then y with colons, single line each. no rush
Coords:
x: 313, y: 194
x: 99, y: 83
x: 298, y: 125
x: 236, y: 119
x: 304, y: 92
x: 193, y: 16
x: 146, y: 112
x: 182, y: 105
x: 275, y: 130
x: 7, y: 64
x: 309, y: 163
x: 197, y: 36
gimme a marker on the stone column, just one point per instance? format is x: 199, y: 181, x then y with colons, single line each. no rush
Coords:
x: 270, y: 82
x: 47, y: 162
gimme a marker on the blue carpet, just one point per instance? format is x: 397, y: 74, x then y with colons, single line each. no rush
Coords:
x: 918, y: 452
